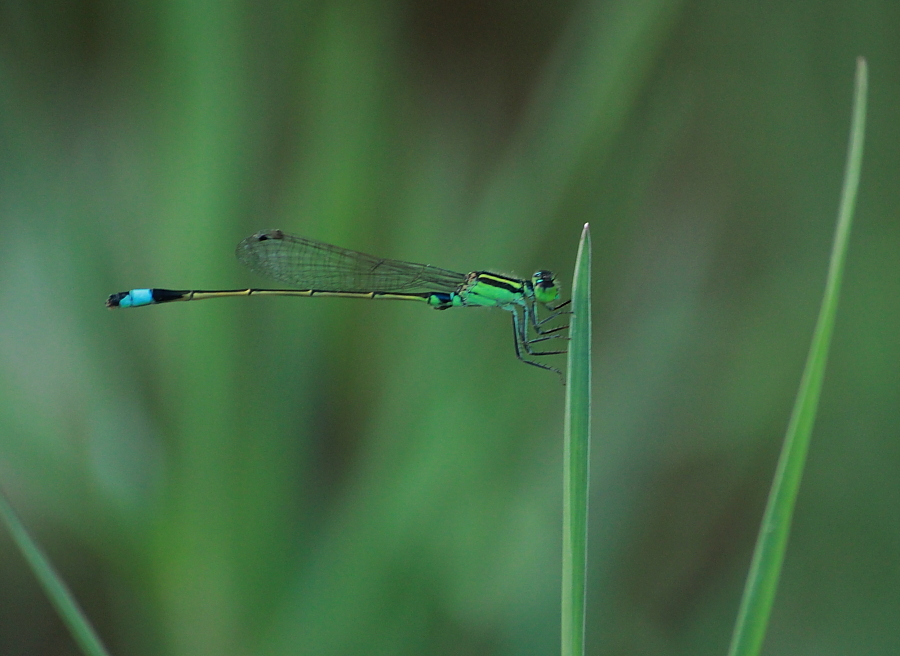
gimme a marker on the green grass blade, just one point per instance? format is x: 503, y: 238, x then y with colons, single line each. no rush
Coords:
x: 768, y: 557
x: 577, y: 454
x: 56, y: 589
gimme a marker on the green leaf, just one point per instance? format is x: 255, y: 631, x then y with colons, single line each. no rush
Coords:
x: 577, y: 454
x: 768, y: 557
x: 56, y: 589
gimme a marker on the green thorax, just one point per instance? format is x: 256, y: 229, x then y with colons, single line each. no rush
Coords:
x: 485, y: 289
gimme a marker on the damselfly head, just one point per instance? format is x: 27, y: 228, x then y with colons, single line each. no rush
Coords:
x: 545, y: 287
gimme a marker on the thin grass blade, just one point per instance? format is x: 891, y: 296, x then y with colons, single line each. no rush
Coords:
x: 768, y: 557
x: 577, y: 454
x: 53, y: 585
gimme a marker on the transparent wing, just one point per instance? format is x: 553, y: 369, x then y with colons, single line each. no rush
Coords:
x: 310, y: 264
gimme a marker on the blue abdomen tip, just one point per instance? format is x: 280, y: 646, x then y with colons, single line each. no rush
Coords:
x: 137, y: 298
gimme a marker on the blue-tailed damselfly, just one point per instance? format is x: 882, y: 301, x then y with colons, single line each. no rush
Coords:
x: 319, y: 269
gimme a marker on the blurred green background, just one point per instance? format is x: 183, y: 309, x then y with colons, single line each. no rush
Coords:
x: 335, y: 477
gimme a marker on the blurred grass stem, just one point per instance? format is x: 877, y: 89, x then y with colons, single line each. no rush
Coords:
x: 56, y: 589
x: 768, y: 557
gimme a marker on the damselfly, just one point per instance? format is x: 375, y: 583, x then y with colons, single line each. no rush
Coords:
x: 319, y: 269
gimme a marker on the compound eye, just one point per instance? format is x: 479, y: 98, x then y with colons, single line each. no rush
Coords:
x: 543, y: 279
